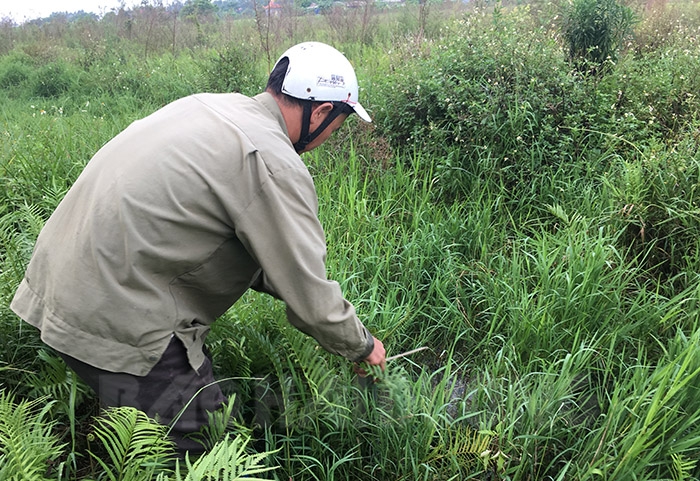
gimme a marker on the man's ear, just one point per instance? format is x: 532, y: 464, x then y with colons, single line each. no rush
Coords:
x: 319, y: 112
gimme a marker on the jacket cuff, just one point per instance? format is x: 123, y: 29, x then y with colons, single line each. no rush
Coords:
x: 368, y: 350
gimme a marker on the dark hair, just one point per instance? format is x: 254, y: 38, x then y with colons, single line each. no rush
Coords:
x: 276, y: 79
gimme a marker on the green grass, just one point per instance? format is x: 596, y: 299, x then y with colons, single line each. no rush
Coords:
x: 535, y: 230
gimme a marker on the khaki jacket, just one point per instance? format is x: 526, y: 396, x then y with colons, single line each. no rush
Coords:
x: 169, y: 224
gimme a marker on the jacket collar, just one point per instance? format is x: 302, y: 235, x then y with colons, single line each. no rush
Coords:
x: 269, y: 102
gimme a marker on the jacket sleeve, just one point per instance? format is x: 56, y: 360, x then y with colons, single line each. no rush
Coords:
x: 261, y: 284
x: 281, y: 230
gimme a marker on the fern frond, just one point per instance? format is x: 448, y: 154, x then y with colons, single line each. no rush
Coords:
x: 271, y: 352
x: 466, y: 446
x: 54, y: 380
x: 682, y: 467
x: 227, y: 461
x: 19, y: 229
x: 317, y: 400
x: 27, y: 441
x: 136, y: 445
x: 219, y: 422
x: 312, y: 362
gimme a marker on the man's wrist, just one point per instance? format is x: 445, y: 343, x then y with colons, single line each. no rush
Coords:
x: 368, y: 350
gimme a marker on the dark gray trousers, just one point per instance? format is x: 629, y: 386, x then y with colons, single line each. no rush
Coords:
x: 162, y: 393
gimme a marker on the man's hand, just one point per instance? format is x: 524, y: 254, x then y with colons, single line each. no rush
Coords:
x: 376, y: 358
x: 378, y: 355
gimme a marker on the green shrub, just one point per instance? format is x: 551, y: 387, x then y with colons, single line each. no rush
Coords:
x: 654, y: 97
x: 496, y: 97
x: 657, y: 197
x: 490, y: 80
x: 155, y: 81
x: 594, y: 31
x: 15, y: 72
x: 54, y: 79
x: 232, y: 68
x: 14, y: 75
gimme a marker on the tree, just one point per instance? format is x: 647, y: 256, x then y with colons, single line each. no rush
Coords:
x: 199, y: 9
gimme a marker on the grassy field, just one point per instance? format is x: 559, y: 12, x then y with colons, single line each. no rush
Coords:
x: 523, y: 209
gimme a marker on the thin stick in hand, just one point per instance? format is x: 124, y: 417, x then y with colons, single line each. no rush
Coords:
x: 407, y: 353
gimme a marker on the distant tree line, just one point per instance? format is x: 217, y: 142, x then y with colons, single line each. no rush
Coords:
x: 189, y: 8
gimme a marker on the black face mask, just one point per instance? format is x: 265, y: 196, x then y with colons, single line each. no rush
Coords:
x: 306, y: 138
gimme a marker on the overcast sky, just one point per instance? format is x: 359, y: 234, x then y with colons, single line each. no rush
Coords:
x: 21, y: 10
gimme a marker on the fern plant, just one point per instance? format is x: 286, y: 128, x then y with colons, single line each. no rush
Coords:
x: 136, y: 446
x: 220, y: 422
x: 227, y: 461
x: 28, y: 444
x: 681, y: 467
x: 137, y: 449
x: 55, y: 382
x: 465, y: 446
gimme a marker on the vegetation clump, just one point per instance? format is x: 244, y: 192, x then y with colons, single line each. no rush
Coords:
x: 524, y: 206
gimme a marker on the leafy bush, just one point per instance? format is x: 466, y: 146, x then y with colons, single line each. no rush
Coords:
x: 495, y: 97
x: 654, y: 98
x: 229, y: 460
x: 16, y: 72
x: 136, y: 446
x: 198, y: 8
x: 124, y: 445
x: 657, y: 199
x: 54, y: 79
x: 234, y: 68
x: 14, y: 75
x: 594, y: 31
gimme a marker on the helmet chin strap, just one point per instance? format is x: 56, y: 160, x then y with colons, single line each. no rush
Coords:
x: 306, y: 138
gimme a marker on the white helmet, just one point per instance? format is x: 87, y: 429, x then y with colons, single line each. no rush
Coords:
x: 321, y: 73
